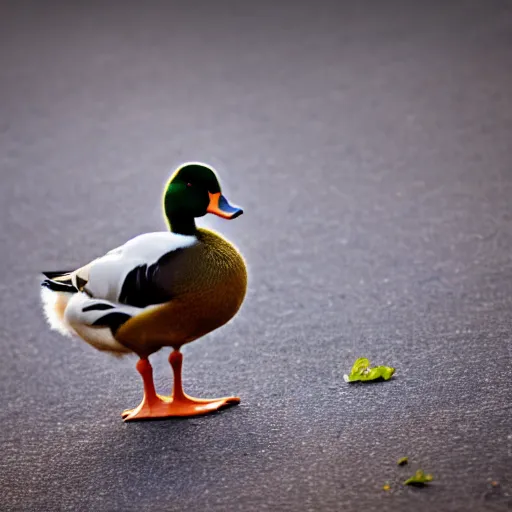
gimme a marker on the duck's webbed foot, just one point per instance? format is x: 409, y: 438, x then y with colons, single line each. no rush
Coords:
x: 179, y: 404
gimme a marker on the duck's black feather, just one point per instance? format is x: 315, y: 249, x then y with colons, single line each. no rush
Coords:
x: 141, y: 286
x: 58, y: 286
x: 98, y: 306
x: 52, y: 274
x: 113, y: 320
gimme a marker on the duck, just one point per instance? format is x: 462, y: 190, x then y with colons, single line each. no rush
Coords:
x: 160, y: 289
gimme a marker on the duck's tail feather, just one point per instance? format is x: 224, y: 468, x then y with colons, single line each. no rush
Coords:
x: 52, y: 274
x: 59, y: 286
x: 54, y: 306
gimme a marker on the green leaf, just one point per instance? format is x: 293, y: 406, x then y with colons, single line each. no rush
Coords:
x: 360, y: 366
x: 419, y: 478
x: 403, y: 461
x: 362, y: 372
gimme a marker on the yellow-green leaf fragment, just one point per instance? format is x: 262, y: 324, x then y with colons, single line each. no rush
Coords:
x: 403, y: 461
x: 361, y: 365
x: 362, y: 372
x: 419, y: 478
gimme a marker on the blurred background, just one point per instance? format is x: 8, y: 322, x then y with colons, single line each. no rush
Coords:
x: 369, y: 144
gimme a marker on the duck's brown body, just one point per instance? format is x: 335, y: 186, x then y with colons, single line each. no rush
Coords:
x: 207, y: 282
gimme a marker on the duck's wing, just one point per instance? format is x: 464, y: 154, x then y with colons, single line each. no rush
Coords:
x: 126, y: 275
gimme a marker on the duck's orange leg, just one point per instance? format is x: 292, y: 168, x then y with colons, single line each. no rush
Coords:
x: 179, y: 404
x: 152, y: 406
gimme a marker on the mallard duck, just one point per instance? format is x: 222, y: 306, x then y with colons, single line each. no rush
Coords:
x: 157, y: 290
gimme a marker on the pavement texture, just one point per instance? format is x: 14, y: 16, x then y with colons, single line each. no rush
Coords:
x: 370, y: 144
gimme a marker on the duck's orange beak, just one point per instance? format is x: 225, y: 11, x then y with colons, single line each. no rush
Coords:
x: 219, y: 206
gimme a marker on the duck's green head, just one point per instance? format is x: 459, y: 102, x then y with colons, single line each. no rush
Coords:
x: 193, y: 191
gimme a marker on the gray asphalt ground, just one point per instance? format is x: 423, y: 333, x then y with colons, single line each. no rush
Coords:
x: 370, y: 144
